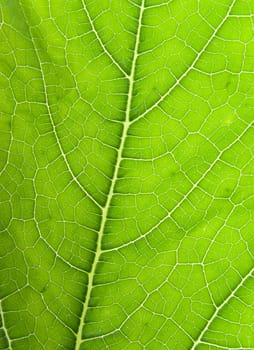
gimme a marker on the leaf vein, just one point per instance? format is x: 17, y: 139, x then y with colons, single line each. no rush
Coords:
x: 185, y: 197
x: 105, y: 210
x: 190, y: 67
x: 106, y: 51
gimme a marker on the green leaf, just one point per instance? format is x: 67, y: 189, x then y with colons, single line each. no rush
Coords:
x: 127, y: 174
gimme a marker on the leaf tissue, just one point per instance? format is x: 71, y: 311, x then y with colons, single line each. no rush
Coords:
x: 127, y: 174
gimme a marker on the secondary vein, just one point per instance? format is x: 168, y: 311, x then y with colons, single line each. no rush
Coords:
x: 220, y: 307
x: 111, y: 57
x: 119, y: 157
x: 4, y: 327
x: 188, y: 70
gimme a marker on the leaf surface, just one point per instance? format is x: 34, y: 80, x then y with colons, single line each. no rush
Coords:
x: 126, y: 174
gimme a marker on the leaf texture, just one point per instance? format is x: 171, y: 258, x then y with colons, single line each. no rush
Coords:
x: 127, y: 174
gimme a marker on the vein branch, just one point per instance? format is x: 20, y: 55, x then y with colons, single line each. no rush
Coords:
x: 4, y: 327
x: 220, y: 307
x: 113, y: 60
x: 186, y: 196
x: 53, y: 126
x: 187, y: 71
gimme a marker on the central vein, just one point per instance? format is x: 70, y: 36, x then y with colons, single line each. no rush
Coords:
x: 113, y: 182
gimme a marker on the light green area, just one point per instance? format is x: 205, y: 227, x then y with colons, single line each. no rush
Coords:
x: 126, y: 174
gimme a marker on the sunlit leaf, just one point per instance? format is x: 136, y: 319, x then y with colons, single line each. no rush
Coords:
x: 127, y: 174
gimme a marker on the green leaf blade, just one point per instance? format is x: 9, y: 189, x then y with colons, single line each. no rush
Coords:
x: 127, y: 175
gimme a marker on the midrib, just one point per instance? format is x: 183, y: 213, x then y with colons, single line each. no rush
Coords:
x: 106, y: 208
